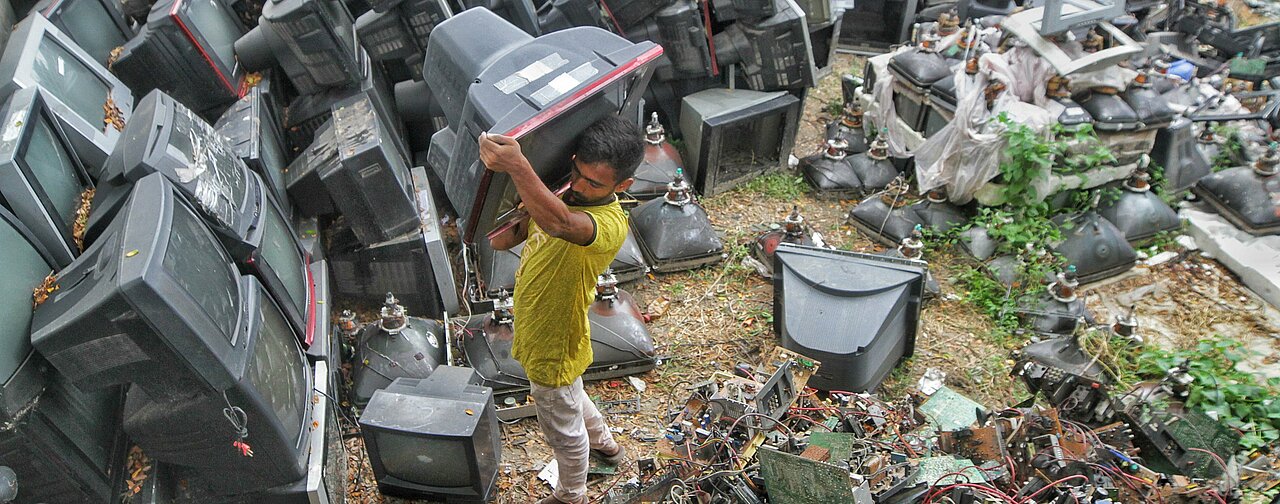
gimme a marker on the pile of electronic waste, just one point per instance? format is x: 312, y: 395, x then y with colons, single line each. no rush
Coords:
x: 760, y: 435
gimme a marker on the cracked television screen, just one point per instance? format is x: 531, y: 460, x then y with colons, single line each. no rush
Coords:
x: 63, y: 75
x: 220, y: 183
x: 202, y: 272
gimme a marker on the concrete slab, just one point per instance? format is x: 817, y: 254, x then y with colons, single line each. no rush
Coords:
x: 1255, y: 259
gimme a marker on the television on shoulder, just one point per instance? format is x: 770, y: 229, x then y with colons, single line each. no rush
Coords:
x: 98, y: 26
x: 41, y: 179
x: 61, y: 442
x: 156, y: 302
x: 186, y: 49
x: 435, y: 437
x: 251, y: 129
x: 542, y: 91
x: 734, y: 135
x: 80, y: 90
x: 520, y: 13
x: 313, y: 41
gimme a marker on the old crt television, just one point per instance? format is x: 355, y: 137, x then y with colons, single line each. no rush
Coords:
x: 166, y: 137
x: 97, y: 26
x: 733, y: 135
x: 774, y: 53
x: 156, y: 302
x: 186, y: 49
x: 326, y: 479
x: 41, y: 179
x: 415, y: 266
x: 857, y: 313
x: 402, y: 31
x: 435, y: 437
x: 60, y: 440
x: 314, y: 41
x: 370, y: 185
x: 77, y: 87
x: 251, y: 129
x: 874, y: 26
x: 542, y: 91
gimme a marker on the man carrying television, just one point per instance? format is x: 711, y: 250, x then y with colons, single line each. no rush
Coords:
x: 568, y: 242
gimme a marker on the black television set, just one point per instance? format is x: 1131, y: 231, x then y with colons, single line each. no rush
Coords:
x: 733, y: 135
x: 435, y: 437
x: 306, y: 113
x: 773, y: 53
x: 313, y: 41
x: 156, y: 302
x: 874, y: 26
x: 41, y: 178
x: 414, y: 265
x: 97, y: 26
x: 370, y: 184
x: 542, y: 91
x: 251, y: 129
x: 186, y: 49
x: 78, y: 88
x: 402, y: 31
x: 166, y: 137
x: 61, y: 442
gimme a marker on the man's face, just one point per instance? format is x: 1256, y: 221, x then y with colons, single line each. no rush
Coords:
x: 591, y: 183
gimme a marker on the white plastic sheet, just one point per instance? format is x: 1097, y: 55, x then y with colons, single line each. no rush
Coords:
x: 965, y: 154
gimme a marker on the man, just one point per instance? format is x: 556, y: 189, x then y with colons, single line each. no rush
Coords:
x: 567, y: 244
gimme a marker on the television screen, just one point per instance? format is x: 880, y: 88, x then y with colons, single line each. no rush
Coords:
x: 160, y: 292
x: 25, y: 268
x: 77, y: 88
x: 434, y: 437
x: 279, y: 262
x: 41, y: 179
x: 272, y: 395
x: 427, y: 461
x: 71, y: 80
x: 97, y: 26
x: 219, y: 28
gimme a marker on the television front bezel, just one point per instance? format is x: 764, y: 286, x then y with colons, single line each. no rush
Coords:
x: 93, y: 142
x: 140, y: 279
x: 262, y: 124
x: 393, y: 485
x: 53, y: 9
x: 20, y: 188
x: 304, y: 323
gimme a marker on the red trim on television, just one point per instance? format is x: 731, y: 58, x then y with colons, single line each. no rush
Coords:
x: 551, y: 112
x: 173, y: 13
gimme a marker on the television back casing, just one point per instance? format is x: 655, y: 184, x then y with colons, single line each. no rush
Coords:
x: 705, y: 117
x: 251, y: 129
x: 872, y: 302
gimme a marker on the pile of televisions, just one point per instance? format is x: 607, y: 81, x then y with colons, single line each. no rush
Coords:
x: 190, y: 188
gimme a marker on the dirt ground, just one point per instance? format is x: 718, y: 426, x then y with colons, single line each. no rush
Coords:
x: 720, y: 315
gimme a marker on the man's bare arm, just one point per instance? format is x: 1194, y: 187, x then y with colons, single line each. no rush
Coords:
x: 512, y: 237
x: 502, y: 154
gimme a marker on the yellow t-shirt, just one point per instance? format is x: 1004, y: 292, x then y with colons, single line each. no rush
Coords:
x: 555, y: 284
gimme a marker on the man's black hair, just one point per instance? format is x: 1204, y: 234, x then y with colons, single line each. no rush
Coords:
x: 614, y: 141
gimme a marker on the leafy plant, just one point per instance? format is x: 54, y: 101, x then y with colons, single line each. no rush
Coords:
x: 1238, y: 399
x: 1230, y: 150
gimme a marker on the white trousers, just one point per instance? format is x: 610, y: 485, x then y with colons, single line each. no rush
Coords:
x: 573, y: 426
